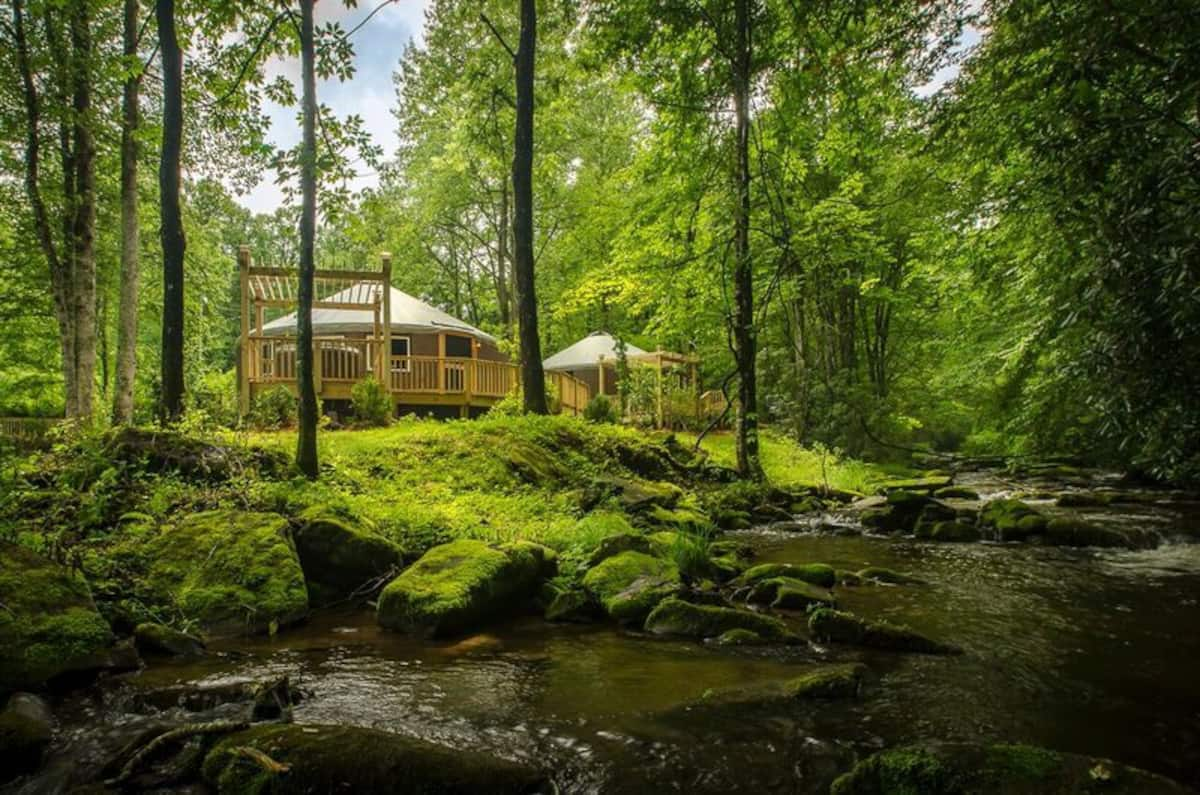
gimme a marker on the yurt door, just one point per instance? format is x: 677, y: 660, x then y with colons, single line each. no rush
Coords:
x: 457, y: 348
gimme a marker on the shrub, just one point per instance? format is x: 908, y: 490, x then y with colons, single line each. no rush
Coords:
x: 600, y: 409
x: 215, y: 395
x: 371, y: 403
x: 276, y: 407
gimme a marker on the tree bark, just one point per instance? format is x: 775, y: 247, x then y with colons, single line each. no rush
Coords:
x: 744, y: 344
x: 171, y: 218
x: 84, y: 222
x: 59, y: 265
x: 127, y: 309
x: 533, y: 380
x: 306, y: 443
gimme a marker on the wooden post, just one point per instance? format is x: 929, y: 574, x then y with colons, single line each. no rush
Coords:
x: 316, y: 365
x: 600, y: 379
x: 243, y: 259
x: 441, y: 363
x: 385, y: 374
x: 659, y: 391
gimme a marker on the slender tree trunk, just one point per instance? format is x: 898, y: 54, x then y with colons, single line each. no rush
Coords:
x: 171, y: 217
x: 743, y: 271
x: 533, y: 380
x: 502, y: 260
x: 59, y: 266
x: 306, y: 443
x: 84, y: 224
x: 127, y: 309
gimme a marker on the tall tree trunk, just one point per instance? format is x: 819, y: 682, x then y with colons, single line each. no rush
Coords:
x: 127, y: 309
x: 306, y: 443
x: 743, y: 270
x: 59, y: 265
x: 533, y: 380
x: 171, y: 217
x: 84, y: 224
x: 502, y: 260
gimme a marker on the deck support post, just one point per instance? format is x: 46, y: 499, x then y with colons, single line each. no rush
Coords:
x: 441, y: 363
x: 600, y: 375
x: 659, y: 391
x: 243, y: 260
x: 385, y: 356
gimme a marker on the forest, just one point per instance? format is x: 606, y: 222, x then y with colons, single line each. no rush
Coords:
x: 599, y: 396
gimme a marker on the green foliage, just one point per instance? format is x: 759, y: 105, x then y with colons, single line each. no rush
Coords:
x: 600, y: 409
x: 372, y: 403
x: 215, y: 394
x: 276, y: 407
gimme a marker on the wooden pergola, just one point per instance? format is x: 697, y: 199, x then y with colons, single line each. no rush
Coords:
x: 264, y: 288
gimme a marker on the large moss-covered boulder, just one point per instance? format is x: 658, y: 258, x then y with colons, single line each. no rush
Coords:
x: 841, y: 627
x: 231, y: 572
x: 788, y: 593
x: 958, y: 769
x: 630, y: 584
x: 458, y: 586
x: 684, y: 619
x: 328, y: 759
x: 923, y: 485
x: 1011, y: 520
x: 814, y: 573
x: 49, y: 625
x: 341, y: 559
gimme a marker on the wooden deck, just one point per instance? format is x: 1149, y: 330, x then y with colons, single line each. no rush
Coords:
x: 339, y: 363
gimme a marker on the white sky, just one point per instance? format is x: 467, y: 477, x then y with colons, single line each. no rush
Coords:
x: 369, y: 94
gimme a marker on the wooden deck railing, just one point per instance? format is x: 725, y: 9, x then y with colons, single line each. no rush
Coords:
x: 338, y: 360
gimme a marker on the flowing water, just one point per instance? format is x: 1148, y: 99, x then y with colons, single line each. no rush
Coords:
x: 1089, y: 651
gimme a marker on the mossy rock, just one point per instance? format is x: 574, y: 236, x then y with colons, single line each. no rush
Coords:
x: 534, y: 464
x: 814, y: 573
x: 630, y: 584
x: 956, y: 493
x: 1071, y: 531
x: 341, y: 559
x: 739, y: 637
x: 888, y: 576
x: 925, y: 485
x: 826, y: 683
x: 327, y: 759
x: 456, y: 587
x: 190, y: 457
x: 229, y: 571
x: 1011, y: 520
x: 49, y: 625
x: 679, y: 520
x: 617, y: 543
x: 958, y: 769
x: 637, y: 496
x: 949, y: 531
x: 728, y: 519
x: 151, y: 639
x: 789, y: 593
x: 849, y: 579
x: 572, y: 605
x: 933, y: 512
x: 836, y: 626
x: 23, y: 742
x: 737, y: 549
x: 808, y: 504
x: 677, y: 617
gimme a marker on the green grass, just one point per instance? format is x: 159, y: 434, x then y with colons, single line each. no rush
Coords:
x: 789, y: 465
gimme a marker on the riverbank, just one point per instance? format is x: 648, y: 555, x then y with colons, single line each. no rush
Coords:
x: 598, y: 591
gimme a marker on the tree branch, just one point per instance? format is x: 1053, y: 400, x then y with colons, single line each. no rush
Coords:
x: 512, y: 54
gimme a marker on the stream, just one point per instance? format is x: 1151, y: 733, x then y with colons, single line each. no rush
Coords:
x: 1082, y: 650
